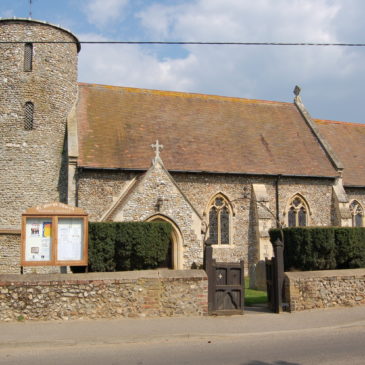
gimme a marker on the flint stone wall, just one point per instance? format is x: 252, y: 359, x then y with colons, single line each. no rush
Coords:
x: 324, y: 289
x: 150, y: 293
x: 10, y: 252
x: 32, y: 170
x: 97, y: 190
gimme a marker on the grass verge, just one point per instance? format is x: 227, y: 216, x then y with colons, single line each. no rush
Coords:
x: 253, y: 297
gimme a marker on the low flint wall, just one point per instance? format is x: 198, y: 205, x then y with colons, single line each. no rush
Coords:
x: 324, y: 289
x: 148, y: 293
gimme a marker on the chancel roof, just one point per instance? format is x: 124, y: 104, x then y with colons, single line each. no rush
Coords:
x: 348, y: 142
x: 200, y: 133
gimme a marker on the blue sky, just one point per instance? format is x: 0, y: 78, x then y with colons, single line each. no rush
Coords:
x: 331, y: 78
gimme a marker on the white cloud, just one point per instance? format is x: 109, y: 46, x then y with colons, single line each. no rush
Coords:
x: 101, y: 12
x: 127, y: 65
x: 256, y: 72
x: 238, y: 20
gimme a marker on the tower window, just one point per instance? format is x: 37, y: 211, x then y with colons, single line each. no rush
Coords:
x: 28, y: 116
x: 28, y: 56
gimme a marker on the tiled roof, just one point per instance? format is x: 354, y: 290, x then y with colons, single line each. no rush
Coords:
x: 117, y: 125
x: 348, y: 142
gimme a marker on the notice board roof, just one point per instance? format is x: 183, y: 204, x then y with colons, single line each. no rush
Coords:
x: 55, y: 209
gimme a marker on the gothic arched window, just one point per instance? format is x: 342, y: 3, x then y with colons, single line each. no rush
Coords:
x: 297, y: 212
x: 219, y: 221
x: 357, y: 213
x: 28, y: 56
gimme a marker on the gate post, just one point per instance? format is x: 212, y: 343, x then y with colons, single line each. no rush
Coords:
x: 278, y: 246
x: 208, y: 267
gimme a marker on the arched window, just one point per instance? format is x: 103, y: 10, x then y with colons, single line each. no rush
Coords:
x: 28, y: 115
x: 219, y: 221
x: 297, y: 212
x: 28, y: 56
x: 357, y: 213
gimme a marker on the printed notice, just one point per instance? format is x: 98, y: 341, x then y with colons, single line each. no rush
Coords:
x: 70, y: 239
x: 38, y: 239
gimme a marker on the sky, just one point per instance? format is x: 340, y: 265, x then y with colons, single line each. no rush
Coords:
x: 331, y: 78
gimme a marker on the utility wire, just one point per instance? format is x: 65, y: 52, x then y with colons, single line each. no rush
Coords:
x: 197, y: 43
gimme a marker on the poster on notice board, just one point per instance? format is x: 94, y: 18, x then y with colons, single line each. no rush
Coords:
x: 38, y: 239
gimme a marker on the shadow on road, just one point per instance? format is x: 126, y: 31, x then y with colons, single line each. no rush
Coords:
x: 263, y: 308
x: 256, y: 362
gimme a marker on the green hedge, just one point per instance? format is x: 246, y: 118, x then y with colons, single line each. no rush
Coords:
x: 322, y: 248
x: 128, y: 245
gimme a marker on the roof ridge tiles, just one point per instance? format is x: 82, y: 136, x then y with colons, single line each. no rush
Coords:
x: 184, y: 94
x: 327, y: 121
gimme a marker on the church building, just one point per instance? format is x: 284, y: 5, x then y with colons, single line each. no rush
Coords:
x: 219, y: 169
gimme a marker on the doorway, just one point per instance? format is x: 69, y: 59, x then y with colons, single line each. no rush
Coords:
x: 174, y: 257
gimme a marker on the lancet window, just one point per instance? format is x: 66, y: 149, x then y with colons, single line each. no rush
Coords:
x: 219, y: 221
x: 28, y: 57
x: 357, y: 213
x: 297, y: 212
x: 28, y: 115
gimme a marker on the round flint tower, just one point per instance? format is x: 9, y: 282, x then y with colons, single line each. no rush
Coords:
x: 38, y: 87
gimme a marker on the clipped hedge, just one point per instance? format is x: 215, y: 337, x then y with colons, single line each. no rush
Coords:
x: 322, y: 248
x: 119, y: 246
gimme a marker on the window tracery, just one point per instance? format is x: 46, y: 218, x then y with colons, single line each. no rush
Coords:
x: 357, y: 213
x: 219, y: 221
x: 297, y: 212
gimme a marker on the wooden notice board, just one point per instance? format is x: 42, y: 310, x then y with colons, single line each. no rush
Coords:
x: 54, y: 234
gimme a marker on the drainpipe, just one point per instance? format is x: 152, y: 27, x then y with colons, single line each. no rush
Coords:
x: 277, y: 200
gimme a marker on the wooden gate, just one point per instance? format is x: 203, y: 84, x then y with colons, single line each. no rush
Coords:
x: 225, y: 285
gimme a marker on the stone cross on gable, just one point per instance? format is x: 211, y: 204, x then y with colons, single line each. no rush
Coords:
x: 157, y: 147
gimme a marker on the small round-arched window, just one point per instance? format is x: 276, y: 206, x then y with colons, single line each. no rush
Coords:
x: 219, y: 221
x: 357, y: 214
x: 297, y: 212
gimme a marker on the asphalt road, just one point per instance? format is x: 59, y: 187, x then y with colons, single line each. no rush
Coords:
x: 344, y: 344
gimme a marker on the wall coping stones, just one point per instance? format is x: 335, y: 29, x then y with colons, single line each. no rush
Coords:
x: 325, y: 273
x: 46, y: 279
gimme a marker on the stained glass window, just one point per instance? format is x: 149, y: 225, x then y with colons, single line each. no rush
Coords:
x: 298, y: 212
x: 358, y: 220
x: 224, y: 217
x: 219, y: 221
x: 357, y: 214
x: 302, y: 217
x: 292, y: 217
x: 213, y: 225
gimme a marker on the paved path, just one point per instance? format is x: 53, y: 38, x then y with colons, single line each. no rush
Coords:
x: 99, y: 332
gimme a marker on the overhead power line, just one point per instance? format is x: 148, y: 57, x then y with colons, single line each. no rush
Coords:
x: 197, y: 43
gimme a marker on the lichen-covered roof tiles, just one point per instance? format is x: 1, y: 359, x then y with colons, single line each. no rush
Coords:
x: 348, y: 142
x: 117, y: 125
